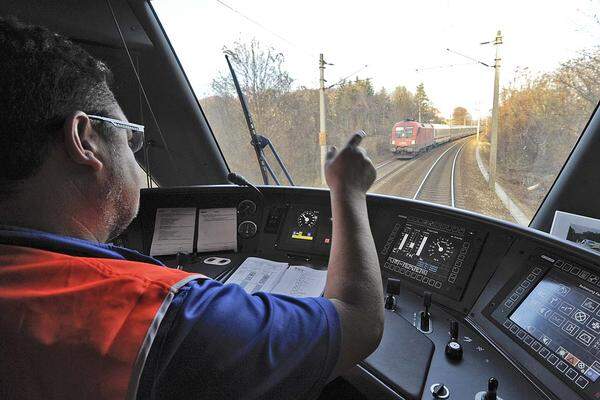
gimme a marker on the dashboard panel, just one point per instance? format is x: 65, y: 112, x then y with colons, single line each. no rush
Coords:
x: 526, y: 306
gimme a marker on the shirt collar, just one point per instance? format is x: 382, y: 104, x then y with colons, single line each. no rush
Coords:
x: 18, y: 236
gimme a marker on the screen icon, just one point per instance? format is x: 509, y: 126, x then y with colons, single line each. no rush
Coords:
x: 566, y: 308
x: 557, y: 319
x: 570, y: 328
x: 590, y: 304
x: 562, y: 352
x: 546, y: 340
x: 594, y: 325
x: 585, y: 337
x: 580, y: 316
x: 563, y: 290
x: 571, y: 359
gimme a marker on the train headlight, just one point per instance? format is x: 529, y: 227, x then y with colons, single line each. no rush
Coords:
x: 413, y: 142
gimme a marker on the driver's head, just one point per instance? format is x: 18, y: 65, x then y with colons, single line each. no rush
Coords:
x: 48, y: 87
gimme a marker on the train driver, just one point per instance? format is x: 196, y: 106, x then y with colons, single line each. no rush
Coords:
x: 82, y: 319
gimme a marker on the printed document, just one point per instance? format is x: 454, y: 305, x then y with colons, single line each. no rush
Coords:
x: 173, y: 231
x: 217, y: 229
x: 260, y: 275
x: 299, y: 281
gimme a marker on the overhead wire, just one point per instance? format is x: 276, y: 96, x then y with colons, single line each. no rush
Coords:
x: 348, y: 76
x: 281, y: 37
x: 468, y: 57
x: 443, y: 66
x: 272, y: 32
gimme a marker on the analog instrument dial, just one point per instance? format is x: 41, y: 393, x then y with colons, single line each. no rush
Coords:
x: 247, y: 229
x: 246, y: 207
x: 441, y: 250
x: 308, y: 219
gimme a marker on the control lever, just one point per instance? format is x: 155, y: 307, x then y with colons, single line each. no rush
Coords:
x: 425, y: 325
x: 491, y: 393
x: 392, y: 290
x: 454, y: 350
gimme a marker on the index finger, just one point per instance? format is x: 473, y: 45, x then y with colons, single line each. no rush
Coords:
x: 356, y: 138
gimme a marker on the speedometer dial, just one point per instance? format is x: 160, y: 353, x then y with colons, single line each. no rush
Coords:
x: 308, y: 219
x: 440, y: 250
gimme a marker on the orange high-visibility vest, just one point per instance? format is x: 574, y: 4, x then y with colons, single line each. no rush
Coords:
x: 78, y: 327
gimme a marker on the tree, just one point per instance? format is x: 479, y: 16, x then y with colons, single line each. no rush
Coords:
x: 581, y: 76
x: 404, y: 104
x: 541, y: 118
x: 425, y: 110
x: 460, y: 116
x: 260, y: 72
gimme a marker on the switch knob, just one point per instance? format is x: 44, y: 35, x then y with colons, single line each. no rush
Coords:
x: 439, y: 391
x: 454, y: 350
x: 425, y: 315
x: 392, y: 289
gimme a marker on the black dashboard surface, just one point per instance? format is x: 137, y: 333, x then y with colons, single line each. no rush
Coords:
x: 527, y: 305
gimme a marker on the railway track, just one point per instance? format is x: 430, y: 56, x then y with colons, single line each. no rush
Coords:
x: 438, y: 184
x: 387, y: 169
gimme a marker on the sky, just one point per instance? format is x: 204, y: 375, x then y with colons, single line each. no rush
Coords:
x: 400, y: 42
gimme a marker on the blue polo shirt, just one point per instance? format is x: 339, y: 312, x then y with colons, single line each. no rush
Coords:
x: 218, y: 342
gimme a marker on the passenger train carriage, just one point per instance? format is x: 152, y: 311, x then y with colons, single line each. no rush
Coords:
x: 410, y: 138
x: 476, y: 308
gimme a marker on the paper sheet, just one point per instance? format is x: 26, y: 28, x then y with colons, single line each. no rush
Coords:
x: 173, y: 231
x: 217, y: 229
x: 258, y: 275
x: 300, y: 281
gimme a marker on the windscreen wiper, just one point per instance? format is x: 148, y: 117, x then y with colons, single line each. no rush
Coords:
x: 259, y: 142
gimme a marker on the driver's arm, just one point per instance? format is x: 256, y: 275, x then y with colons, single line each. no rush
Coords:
x: 353, y: 278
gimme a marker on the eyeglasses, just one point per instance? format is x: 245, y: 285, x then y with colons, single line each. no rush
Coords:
x: 136, y: 140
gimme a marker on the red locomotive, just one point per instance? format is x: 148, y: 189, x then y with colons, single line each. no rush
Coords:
x: 410, y: 138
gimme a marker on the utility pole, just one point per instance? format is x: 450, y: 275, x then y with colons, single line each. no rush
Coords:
x: 322, y: 118
x: 494, y: 131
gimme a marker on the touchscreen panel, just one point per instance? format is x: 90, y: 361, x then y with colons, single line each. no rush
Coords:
x: 552, y: 310
x: 434, y: 254
x: 565, y: 316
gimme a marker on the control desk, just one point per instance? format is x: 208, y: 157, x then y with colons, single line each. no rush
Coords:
x: 476, y: 308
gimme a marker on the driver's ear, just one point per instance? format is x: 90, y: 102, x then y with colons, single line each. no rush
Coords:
x: 82, y: 141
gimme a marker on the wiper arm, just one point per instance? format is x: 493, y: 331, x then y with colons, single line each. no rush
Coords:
x: 259, y: 142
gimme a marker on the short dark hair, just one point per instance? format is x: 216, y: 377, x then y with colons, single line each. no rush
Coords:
x: 44, y: 78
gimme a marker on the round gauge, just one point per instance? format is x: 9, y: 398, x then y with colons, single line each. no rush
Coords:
x: 247, y: 229
x: 308, y: 219
x: 246, y: 207
x: 441, y: 250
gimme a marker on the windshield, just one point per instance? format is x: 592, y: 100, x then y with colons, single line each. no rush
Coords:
x: 404, y: 132
x: 504, y: 95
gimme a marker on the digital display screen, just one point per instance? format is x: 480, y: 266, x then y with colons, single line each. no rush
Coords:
x: 432, y: 253
x: 307, y: 229
x: 564, y: 315
x: 306, y: 225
